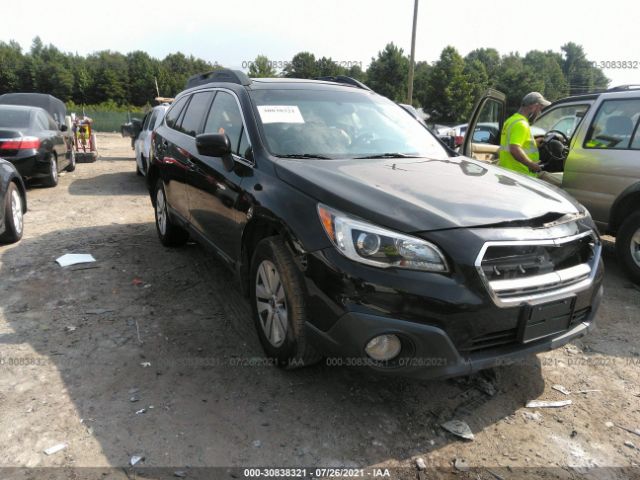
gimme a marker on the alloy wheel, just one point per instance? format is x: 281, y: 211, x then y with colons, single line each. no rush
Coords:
x: 161, y: 211
x: 16, y: 211
x: 634, y: 245
x: 271, y: 303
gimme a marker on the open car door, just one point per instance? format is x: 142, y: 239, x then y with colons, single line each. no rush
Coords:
x: 482, y: 138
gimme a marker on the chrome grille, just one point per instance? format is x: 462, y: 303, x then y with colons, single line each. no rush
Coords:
x: 519, y: 271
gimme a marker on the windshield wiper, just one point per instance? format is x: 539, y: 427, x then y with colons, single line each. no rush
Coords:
x: 304, y: 155
x: 389, y: 155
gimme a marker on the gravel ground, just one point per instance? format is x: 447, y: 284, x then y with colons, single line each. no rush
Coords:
x: 85, y: 349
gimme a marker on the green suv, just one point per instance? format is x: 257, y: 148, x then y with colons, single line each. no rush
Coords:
x: 599, y: 157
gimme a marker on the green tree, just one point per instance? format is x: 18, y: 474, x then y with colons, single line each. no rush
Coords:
x: 388, y: 73
x: 303, y: 65
x: 326, y: 67
x: 142, y: 70
x: 580, y: 74
x: 516, y: 80
x: 262, y: 67
x: 548, y: 68
x: 449, y: 95
x: 11, y: 60
x: 490, y: 58
x: 421, y: 77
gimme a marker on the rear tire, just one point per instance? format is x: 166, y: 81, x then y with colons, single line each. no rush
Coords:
x: 52, y: 178
x: 628, y: 246
x: 72, y: 158
x: 278, y: 305
x: 169, y: 233
x: 13, y: 215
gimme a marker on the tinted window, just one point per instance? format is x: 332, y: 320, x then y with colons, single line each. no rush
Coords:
x: 614, y: 124
x: 13, y: 118
x: 152, y: 120
x: 243, y: 148
x: 42, y: 121
x: 225, y: 117
x: 174, y: 112
x: 192, y: 120
x: 145, y: 123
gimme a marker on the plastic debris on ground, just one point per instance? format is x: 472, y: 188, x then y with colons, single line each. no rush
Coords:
x: 548, y: 404
x: 458, y: 428
x: 561, y: 389
x: 135, y: 459
x: 420, y: 463
x: 74, y: 259
x: 55, y: 448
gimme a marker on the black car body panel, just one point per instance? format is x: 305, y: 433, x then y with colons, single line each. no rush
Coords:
x: 486, y: 221
x: 33, y: 162
x: 9, y: 174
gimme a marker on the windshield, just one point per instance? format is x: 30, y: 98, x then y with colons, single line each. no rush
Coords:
x: 14, y: 118
x: 565, y: 119
x: 339, y: 124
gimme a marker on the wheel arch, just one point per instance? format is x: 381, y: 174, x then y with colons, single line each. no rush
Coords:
x: 258, y: 228
x: 626, y: 203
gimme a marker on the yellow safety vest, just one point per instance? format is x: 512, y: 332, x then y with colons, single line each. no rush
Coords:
x: 527, y: 142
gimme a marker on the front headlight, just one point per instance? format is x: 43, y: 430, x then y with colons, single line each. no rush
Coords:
x: 377, y: 246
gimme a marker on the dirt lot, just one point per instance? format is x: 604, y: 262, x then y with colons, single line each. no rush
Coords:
x: 74, y: 342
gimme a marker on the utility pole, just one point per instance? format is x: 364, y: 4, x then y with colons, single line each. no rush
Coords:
x: 413, y: 53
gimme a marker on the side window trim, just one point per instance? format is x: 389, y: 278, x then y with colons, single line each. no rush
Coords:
x: 635, y: 132
x: 175, y: 107
x: 178, y: 125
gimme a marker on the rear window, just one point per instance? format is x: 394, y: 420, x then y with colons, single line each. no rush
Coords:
x: 14, y: 118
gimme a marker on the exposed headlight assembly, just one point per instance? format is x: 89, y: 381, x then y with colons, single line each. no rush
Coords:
x: 372, y: 245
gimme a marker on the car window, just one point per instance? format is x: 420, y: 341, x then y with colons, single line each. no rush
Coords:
x: 225, y: 117
x: 174, y: 112
x: 145, y: 123
x: 152, y: 120
x: 564, y: 118
x: 41, y: 121
x: 614, y: 124
x: 340, y: 124
x: 14, y: 118
x: 487, y: 129
x: 635, y: 143
x: 52, y: 125
x: 192, y: 120
x: 244, y: 146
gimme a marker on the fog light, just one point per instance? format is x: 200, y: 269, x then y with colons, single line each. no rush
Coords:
x: 384, y: 347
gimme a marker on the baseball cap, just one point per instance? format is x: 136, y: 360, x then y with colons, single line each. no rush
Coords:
x: 534, y: 98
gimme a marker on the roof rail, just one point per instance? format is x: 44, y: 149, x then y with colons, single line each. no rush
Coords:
x: 622, y: 88
x: 221, y: 75
x: 345, y: 80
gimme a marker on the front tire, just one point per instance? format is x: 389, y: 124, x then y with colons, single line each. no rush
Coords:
x: 628, y: 246
x: 169, y: 233
x: 13, y: 215
x: 52, y: 178
x: 279, y: 307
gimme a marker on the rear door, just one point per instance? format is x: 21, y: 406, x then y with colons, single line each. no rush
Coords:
x: 482, y: 138
x: 605, y: 156
x: 213, y: 191
x: 173, y: 165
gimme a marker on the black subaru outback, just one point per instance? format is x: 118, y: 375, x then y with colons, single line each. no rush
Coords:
x: 360, y: 237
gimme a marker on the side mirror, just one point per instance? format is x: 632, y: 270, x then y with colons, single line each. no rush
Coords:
x: 63, y: 128
x: 216, y: 145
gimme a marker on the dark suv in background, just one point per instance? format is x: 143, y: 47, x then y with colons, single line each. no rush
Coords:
x: 357, y: 234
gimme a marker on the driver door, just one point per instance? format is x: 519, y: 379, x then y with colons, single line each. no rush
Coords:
x: 482, y: 138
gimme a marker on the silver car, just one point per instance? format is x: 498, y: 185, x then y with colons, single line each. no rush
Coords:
x: 601, y: 161
x: 142, y: 144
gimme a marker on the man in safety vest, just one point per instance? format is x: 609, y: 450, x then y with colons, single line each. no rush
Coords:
x: 518, y: 148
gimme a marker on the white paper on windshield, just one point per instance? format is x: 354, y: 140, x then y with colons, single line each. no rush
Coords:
x: 280, y: 114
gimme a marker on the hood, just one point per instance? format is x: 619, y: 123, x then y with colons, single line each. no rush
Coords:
x: 419, y: 194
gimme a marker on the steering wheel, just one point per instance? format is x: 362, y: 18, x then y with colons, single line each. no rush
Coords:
x: 554, y: 150
x: 551, y: 134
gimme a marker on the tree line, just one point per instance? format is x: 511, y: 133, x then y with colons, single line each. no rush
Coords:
x: 446, y: 89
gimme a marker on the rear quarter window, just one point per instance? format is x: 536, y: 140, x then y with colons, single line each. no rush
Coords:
x: 174, y: 112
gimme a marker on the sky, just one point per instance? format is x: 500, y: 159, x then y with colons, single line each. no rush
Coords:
x: 234, y: 32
